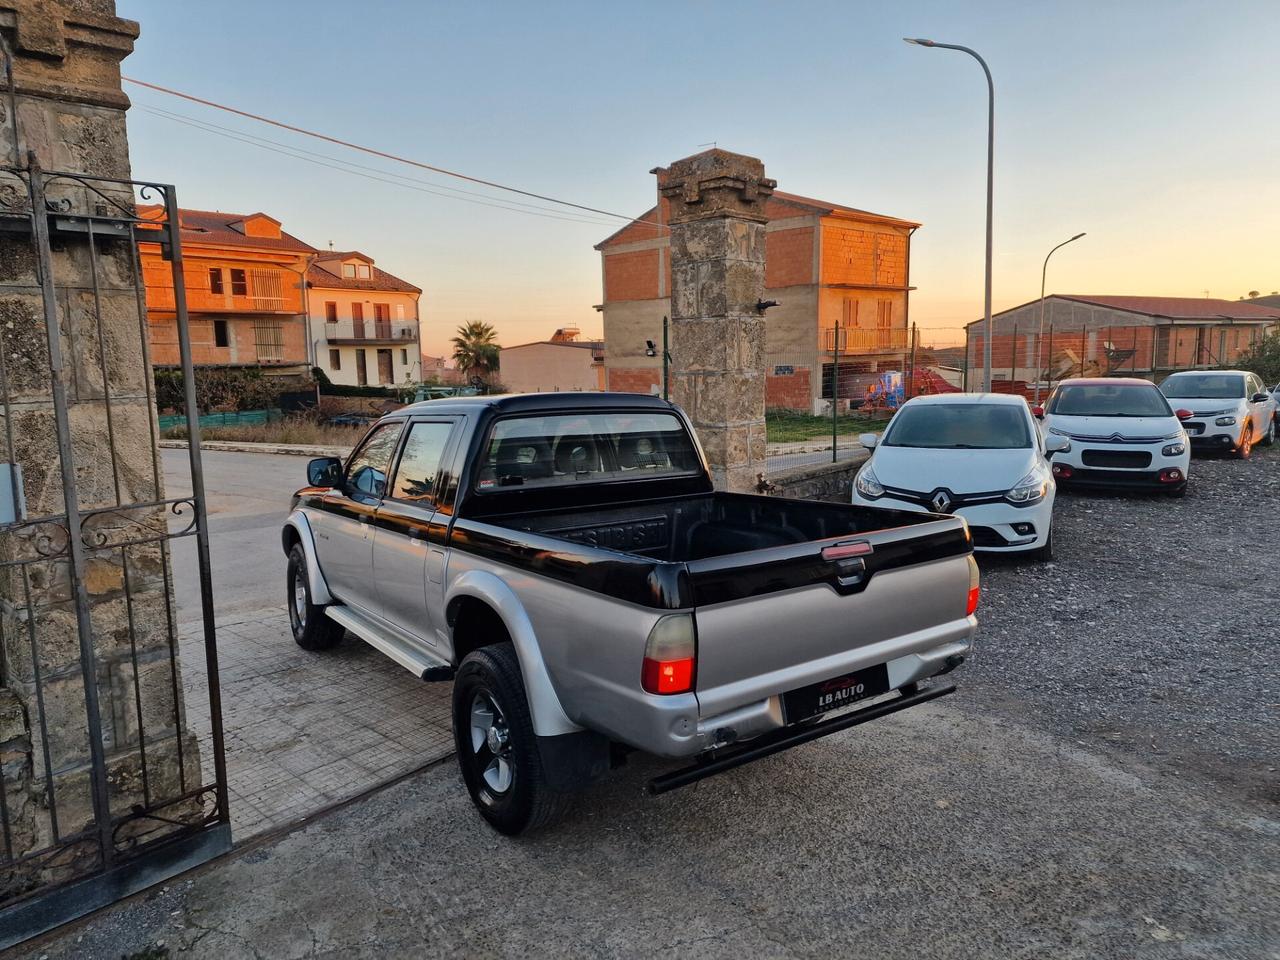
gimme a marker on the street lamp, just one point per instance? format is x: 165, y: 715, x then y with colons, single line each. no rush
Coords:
x: 1040, y: 336
x: 991, y: 146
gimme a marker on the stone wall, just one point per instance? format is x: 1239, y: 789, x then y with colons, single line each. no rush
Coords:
x: 70, y: 115
x: 831, y: 482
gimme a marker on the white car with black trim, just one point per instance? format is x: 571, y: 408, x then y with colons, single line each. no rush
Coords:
x: 1122, y: 431
x: 976, y: 455
x: 1231, y: 410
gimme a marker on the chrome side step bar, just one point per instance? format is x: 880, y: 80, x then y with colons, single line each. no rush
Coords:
x: 417, y: 661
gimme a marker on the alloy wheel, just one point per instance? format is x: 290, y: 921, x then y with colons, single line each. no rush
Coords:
x: 491, y: 743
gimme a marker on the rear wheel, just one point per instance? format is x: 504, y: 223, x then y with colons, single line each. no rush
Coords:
x: 312, y: 630
x: 497, y: 748
x: 1270, y: 437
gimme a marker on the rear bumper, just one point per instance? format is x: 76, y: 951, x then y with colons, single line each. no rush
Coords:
x: 665, y: 729
x: 776, y: 742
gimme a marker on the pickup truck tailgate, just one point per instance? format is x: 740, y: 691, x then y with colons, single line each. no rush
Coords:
x: 773, y: 620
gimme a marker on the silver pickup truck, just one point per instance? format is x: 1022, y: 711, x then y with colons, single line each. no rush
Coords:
x: 566, y: 562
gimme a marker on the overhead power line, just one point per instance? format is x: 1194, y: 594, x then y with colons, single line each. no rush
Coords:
x: 381, y: 153
x: 343, y: 166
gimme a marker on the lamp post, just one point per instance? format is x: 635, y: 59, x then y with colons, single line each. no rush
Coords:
x: 991, y: 147
x: 1040, y: 336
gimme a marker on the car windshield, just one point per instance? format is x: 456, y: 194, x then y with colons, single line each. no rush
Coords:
x: 1204, y: 386
x: 572, y: 449
x: 1108, y: 400
x: 960, y: 426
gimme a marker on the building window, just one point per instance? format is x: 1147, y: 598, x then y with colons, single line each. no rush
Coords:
x: 220, y: 335
x: 884, y: 314
x: 404, y: 357
x: 330, y: 312
x: 349, y: 270
x: 335, y: 359
x: 364, y: 271
x: 382, y: 312
x: 215, y: 279
x: 399, y: 311
x: 239, y: 285
x: 362, y: 371
x: 268, y: 340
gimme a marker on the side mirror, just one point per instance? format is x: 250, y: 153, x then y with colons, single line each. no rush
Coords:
x: 1259, y: 398
x: 868, y: 440
x: 1183, y: 414
x: 1038, y: 412
x: 324, y: 472
x: 1054, y: 443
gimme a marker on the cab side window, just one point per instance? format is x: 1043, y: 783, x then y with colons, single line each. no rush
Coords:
x: 419, y: 469
x: 367, y: 472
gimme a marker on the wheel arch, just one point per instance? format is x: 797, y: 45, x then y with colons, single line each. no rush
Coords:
x: 477, y: 600
x: 297, y: 530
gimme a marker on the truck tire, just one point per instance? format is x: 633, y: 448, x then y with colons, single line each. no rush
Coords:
x: 312, y: 630
x: 497, y: 748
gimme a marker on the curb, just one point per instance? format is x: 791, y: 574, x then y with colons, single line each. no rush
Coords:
x: 286, y: 449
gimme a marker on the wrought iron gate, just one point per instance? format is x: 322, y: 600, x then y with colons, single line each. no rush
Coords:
x: 112, y: 776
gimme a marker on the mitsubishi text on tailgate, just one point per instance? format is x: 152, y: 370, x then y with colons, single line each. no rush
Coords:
x: 566, y: 562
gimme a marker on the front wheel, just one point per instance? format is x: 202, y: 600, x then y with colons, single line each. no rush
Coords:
x: 1043, y: 554
x: 1244, y: 449
x: 497, y: 748
x: 312, y: 630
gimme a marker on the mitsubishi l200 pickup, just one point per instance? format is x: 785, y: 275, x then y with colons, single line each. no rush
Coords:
x: 565, y: 560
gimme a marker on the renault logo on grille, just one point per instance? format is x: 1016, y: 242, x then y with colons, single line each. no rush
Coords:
x: 940, y: 501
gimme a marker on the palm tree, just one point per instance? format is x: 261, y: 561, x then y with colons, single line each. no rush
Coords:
x: 474, y: 351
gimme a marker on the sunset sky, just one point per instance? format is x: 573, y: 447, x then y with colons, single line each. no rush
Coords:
x: 1150, y: 126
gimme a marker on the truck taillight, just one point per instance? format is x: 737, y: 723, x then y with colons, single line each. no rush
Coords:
x: 670, y: 656
x: 975, y: 589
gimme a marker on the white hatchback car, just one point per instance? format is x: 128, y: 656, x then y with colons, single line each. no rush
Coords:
x: 1231, y: 409
x: 1123, y: 433
x: 976, y: 455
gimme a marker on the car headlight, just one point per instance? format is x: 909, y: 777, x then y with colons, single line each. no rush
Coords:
x: 1174, y: 449
x: 867, y: 484
x: 1030, y: 489
x: 1226, y: 421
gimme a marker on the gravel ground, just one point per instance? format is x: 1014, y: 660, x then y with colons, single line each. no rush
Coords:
x: 1154, y: 631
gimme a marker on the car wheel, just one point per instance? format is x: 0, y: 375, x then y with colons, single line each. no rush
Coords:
x: 496, y: 746
x: 312, y: 630
x: 1244, y: 449
x: 1178, y: 492
x: 1043, y: 554
x: 1270, y: 437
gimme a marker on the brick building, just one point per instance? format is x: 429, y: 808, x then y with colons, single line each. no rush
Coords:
x: 363, y: 321
x: 245, y: 296
x: 826, y: 264
x: 562, y: 363
x: 1087, y: 335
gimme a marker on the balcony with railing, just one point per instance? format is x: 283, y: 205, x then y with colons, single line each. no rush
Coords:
x: 370, y: 331
x: 860, y: 340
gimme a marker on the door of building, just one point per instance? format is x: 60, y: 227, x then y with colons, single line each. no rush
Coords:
x: 385, y: 374
x: 357, y: 321
x: 362, y: 371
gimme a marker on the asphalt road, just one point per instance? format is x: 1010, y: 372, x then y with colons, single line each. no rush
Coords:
x: 247, y: 495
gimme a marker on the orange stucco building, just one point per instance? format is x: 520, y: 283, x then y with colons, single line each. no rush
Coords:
x: 826, y: 264
x: 245, y: 292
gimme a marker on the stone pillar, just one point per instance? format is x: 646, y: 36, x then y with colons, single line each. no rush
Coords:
x: 71, y: 116
x: 717, y: 222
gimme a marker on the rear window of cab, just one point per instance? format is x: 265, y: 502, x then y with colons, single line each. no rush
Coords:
x: 560, y: 450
